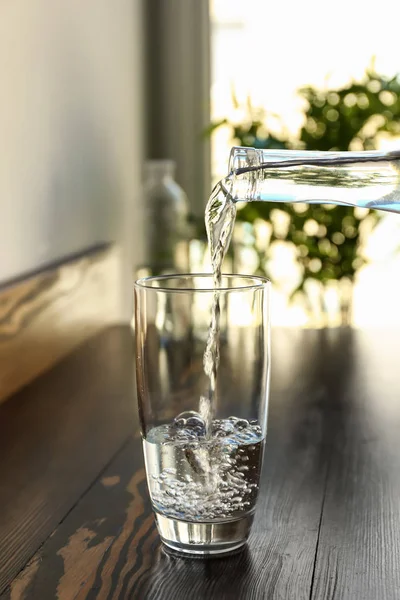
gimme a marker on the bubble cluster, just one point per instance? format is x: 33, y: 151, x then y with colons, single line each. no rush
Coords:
x: 189, y: 425
x: 196, y: 478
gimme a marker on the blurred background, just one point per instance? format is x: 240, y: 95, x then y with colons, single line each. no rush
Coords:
x: 284, y: 78
x: 117, y: 119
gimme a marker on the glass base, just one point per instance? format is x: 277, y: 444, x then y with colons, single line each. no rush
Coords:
x: 204, y: 539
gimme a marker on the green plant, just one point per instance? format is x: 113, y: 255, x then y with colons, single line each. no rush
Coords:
x: 353, y: 117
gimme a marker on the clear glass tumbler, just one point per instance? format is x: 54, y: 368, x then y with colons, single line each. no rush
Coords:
x: 203, y: 460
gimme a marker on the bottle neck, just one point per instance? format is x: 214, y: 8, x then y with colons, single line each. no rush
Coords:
x: 243, y: 167
x: 367, y: 179
x: 159, y: 171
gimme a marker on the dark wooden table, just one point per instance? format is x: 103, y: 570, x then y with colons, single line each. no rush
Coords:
x: 75, y: 519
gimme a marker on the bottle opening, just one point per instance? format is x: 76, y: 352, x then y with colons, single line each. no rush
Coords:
x: 241, y: 157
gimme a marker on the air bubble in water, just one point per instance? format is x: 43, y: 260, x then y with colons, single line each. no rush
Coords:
x: 190, y: 423
x: 241, y: 424
x: 203, y: 479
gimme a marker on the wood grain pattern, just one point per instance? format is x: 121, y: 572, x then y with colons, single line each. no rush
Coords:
x: 56, y: 436
x: 45, y: 316
x: 359, y: 548
x: 109, y: 521
x: 279, y: 560
x: 328, y: 517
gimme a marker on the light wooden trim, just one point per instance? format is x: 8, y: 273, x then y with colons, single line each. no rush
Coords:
x: 45, y: 316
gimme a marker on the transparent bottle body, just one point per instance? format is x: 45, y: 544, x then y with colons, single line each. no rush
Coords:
x: 167, y: 231
x: 364, y: 179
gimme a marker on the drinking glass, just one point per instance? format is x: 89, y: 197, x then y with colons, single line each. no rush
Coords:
x: 203, y: 459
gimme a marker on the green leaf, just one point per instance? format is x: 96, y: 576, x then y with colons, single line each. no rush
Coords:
x: 213, y: 126
x: 334, y: 118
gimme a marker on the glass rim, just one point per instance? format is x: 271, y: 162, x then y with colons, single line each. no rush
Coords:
x: 259, y: 282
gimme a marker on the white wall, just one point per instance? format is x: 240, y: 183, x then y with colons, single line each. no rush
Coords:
x: 70, y: 130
